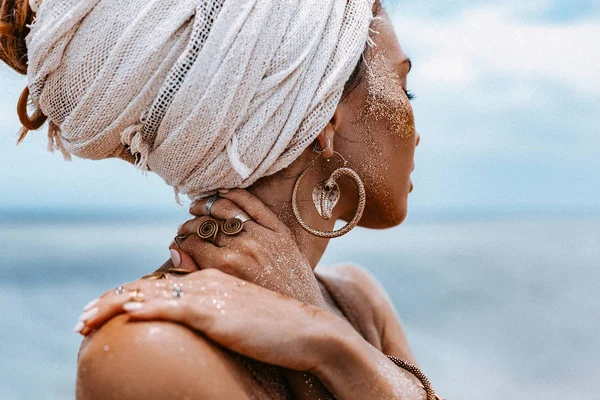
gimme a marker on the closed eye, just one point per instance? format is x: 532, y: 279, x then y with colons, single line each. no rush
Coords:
x: 406, y: 65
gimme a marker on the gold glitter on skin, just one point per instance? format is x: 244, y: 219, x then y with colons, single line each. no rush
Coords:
x: 386, y: 112
x: 378, y: 145
x: 387, y: 102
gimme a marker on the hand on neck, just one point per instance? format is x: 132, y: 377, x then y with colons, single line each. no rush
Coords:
x: 276, y: 192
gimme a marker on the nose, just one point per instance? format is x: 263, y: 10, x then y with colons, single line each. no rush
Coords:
x: 418, y: 139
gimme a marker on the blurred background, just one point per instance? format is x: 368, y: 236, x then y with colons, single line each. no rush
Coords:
x: 495, y: 272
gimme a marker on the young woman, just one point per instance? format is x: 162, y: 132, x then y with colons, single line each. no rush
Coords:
x: 303, y: 104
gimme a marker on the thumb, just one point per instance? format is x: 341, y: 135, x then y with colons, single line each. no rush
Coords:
x: 181, y: 259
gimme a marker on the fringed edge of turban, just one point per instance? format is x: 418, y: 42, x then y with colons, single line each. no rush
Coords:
x: 55, y: 141
x: 35, y: 5
x: 133, y: 139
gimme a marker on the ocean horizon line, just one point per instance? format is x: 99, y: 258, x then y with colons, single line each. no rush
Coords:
x: 86, y: 215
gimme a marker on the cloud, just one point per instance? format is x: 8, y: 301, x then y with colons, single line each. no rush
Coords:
x: 500, y: 40
x: 507, y: 104
x: 507, y: 100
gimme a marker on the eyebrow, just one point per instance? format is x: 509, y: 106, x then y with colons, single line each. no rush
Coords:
x: 409, y: 62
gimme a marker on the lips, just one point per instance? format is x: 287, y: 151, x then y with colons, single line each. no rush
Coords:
x: 411, y: 184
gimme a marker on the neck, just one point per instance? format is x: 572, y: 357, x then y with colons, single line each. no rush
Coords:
x: 276, y: 192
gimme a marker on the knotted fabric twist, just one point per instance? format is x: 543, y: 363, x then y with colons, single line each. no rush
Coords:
x: 208, y: 94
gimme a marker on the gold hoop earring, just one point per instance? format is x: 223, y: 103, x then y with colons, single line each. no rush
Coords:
x: 326, y: 195
x: 33, y: 122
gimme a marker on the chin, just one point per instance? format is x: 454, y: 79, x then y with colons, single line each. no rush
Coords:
x: 384, y: 216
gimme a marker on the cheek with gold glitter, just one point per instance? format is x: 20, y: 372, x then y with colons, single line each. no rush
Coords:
x: 385, y: 123
x: 386, y: 104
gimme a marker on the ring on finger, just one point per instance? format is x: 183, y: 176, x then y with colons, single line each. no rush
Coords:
x: 244, y: 217
x: 179, y: 238
x: 136, y: 295
x: 119, y: 290
x: 208, y: 230
x: 177, y: 291
x: 232, y: 226
x: 155, y: 275
x: 209, y: 203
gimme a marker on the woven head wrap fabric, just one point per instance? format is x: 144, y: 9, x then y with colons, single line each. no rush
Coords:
x: 208, y: 94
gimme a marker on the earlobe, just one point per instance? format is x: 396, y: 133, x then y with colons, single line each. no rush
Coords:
x: 327, y: 136
x: 325, y: 140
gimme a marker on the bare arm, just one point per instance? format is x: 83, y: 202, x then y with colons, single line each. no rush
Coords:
x: 260, y: 324
x: 255, y: 321
x: 155, y: 361
x: 359, y: 362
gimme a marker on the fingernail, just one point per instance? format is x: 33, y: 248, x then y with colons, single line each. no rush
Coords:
x: 88, y: 314
x: 223, y: 191
x: 91, y: 304
x: 176, y: 258
x: 78, y: 327
x: 132, y: 305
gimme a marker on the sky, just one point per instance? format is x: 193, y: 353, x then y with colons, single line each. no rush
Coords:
x: 507, y: 104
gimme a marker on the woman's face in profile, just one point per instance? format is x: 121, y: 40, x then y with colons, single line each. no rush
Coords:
x: 375, y: 129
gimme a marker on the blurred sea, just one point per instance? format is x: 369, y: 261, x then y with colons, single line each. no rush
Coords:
x: 503, y: 307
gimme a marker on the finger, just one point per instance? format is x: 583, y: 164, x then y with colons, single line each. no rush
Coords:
x: 86, y: 330
x: 190, y: 229
x: 201, y: 252
x: 182, y: 260
x: 224, y: 259
x: 191, y: 226
x: 257, y: 210
x: 221, y: 209
x: 225, y: 210
x: 168, y: 310
x: 198, y: 209
x: 98, y: 316
x: 111, y: 304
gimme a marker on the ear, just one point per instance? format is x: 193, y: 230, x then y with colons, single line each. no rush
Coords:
x: 327, y: 135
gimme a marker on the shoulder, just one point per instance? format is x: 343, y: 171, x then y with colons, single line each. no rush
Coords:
x: 154, y: 360
x: 380, y: 323
x: 365, y: 300
x: 352, y: 278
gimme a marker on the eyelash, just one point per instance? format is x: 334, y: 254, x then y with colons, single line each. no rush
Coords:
x: 409, y: 94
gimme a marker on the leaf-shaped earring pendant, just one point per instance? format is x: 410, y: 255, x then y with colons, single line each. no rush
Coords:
x: 325, y: 196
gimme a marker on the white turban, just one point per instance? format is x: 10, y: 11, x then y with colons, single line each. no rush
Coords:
x: 208, y: 94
